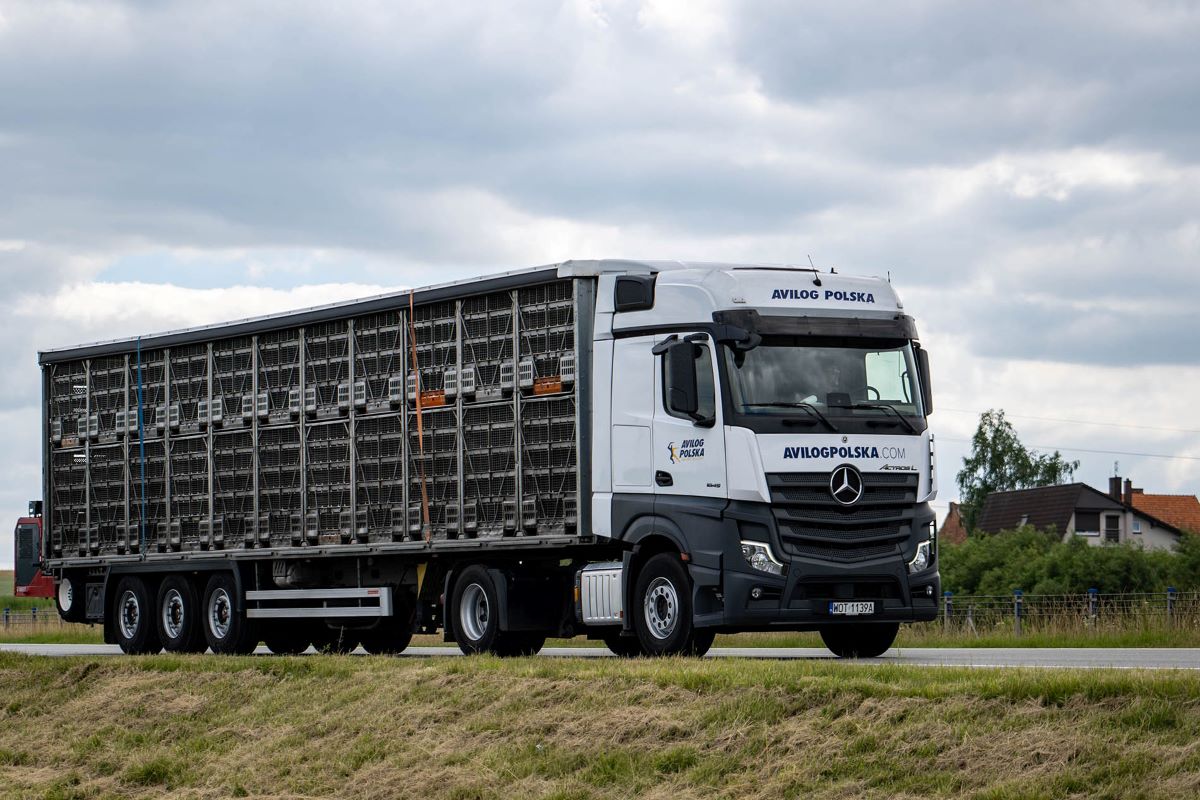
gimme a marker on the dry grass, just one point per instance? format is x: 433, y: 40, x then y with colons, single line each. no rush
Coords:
x: 326, y: 726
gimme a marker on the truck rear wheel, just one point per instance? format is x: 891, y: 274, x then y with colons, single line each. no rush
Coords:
x: 226, y: 628
x: 286, y: 638
x: 179, y: 625
x: 860, y: 639
x: 133, y: 617
x: 393, y: 634
x: 662, y: 606
x: 475, y: 611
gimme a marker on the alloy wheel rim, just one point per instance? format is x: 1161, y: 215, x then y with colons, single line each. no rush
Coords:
x: 173, y: 614
x: 220, y: 613
x: 661, y: 608
x: 474, y: 612
x: 131, y: 614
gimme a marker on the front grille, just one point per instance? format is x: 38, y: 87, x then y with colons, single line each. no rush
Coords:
x: 812, y: 524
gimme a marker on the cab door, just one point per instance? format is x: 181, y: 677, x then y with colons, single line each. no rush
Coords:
x: 689, y: 446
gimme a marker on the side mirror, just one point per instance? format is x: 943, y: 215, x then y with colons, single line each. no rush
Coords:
x: 926, y: 381
x: 682, y: 395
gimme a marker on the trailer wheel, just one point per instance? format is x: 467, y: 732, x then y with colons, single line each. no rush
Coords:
x: 662, y: 609
x: 226, y: 629
x: 393, y: 634
x: 519, y: 643
x: 860, y: 639
x: 178, y: 617
x: 133, y: 617
x: 335, y: 639
x: 286, y: 638
x: 475, y: 609
x: 624, y: 646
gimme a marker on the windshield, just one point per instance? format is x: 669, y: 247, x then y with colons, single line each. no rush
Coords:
x: 836, y: 377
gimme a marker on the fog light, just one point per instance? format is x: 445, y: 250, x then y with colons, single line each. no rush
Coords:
x: 759, y: 556
x: 756, y: 593
x: 929, y: 591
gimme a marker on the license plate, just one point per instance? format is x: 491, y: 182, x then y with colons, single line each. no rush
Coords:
x: 856, y: 609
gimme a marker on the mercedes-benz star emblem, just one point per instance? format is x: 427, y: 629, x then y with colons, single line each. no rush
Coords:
x: 846, y: 485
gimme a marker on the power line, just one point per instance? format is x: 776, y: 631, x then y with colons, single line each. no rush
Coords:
x: 1079, y: 421
x: 1086, y: 450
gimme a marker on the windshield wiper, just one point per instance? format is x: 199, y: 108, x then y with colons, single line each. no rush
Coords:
x: 886, y: 407
x: 809, y: 407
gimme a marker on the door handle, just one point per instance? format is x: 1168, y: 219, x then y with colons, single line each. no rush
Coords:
x: 663, y: 478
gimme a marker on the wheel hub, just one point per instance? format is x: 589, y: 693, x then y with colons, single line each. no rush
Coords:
x: 220, y: 613
x: 172, y: 614
x: 474, y: 612
x: 131, y: 614
x: 661, y: 608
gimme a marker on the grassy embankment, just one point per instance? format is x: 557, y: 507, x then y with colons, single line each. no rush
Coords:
x: 332, y: 726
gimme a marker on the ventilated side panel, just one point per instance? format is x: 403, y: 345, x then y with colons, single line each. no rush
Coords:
x: 68, y: 403
x: 378, y: 358
x: 548, y: 332
x: 279, y: 505
x: 379, y: 445
x: 106, y: 474
x: 69, y: 502
x: 189, y: 388
x: 433, y: 461
x: 233, y: 381
x: 148, y: 494
x: 107, y: 404
x: 328, y: 452
x: 435, y: 327
x: 487, y: 346
x: 489, y: 470
x: 152, y: 378
x: 549, y: 465
x: 233, y: 489
x: 279, y: 376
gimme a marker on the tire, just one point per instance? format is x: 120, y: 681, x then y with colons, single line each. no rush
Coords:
x: 662, y: 609
x: 624, y: 646
x: 860, y: 639
x: 226, y: 628
x: 475, y: 614
x: 284, y: 638
x: 475, y: 611
x: 337, y: 640
x: 133, y: 617
x: 179, y: 617
x: 702, y: 641
x: 393, y: 634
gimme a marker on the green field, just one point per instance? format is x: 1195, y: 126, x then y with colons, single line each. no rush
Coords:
x: 328, y: 726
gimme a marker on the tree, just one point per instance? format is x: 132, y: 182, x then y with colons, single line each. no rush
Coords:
x: 999, y: 462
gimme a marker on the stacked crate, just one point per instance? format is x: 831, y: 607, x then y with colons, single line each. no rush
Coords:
x: 147, y: 495
x: 327, y: 450
x: 233, y: 381
x: 379, y: 360
x: 488, y: 366
x: 433, y: 459
x: 189, y: 493
x: 379, y: 451
x: 279, y: 500
x: 106, y: 403
x: 489, y: 470
x: 233, y: 490
x: 187, y: 412
x: 327, y: 370
x: 278, y: 399
x: 106, y: 484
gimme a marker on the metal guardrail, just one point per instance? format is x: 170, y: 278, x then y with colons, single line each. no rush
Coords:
x: 1021, y: 612
x: 33, y: 618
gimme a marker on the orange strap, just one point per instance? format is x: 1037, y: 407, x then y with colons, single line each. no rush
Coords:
x: 426, y: 527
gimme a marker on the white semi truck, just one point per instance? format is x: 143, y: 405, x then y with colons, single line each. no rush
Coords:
x: 646, y: 453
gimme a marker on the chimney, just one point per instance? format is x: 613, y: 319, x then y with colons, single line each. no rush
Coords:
x: 1128, y: 492
x: 1114, y: 488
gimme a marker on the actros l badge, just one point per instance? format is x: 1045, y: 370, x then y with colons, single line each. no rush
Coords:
x: 846, y: 485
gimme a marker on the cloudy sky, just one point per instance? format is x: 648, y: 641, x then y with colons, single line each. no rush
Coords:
x: 1028, y: 173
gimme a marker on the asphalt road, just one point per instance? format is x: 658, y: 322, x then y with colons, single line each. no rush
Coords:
x: 1060, y: 658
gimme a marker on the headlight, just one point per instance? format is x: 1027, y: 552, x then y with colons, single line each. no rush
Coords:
x: 923, y: 558
x: 759, y: 556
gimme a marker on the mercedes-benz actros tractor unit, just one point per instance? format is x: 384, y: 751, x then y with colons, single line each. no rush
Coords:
x: 646, y: 453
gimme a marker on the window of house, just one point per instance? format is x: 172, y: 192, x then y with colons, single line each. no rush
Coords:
x: 1137, y: 526
x: 1112, y: 528
x: 1087, y: 523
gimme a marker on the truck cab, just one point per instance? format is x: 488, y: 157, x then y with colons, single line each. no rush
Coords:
x: 772, y: 424
x: 28, y: 578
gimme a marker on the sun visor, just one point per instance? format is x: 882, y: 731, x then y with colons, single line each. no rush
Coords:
x: 900, y: 326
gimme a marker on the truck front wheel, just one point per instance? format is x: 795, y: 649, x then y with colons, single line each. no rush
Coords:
x: 662, y: 610
x: 860, y: 639
x: 133, y: 617
x: 226, y: 627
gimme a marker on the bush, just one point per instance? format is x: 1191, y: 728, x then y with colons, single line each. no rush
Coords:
x: 1039, y: 562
